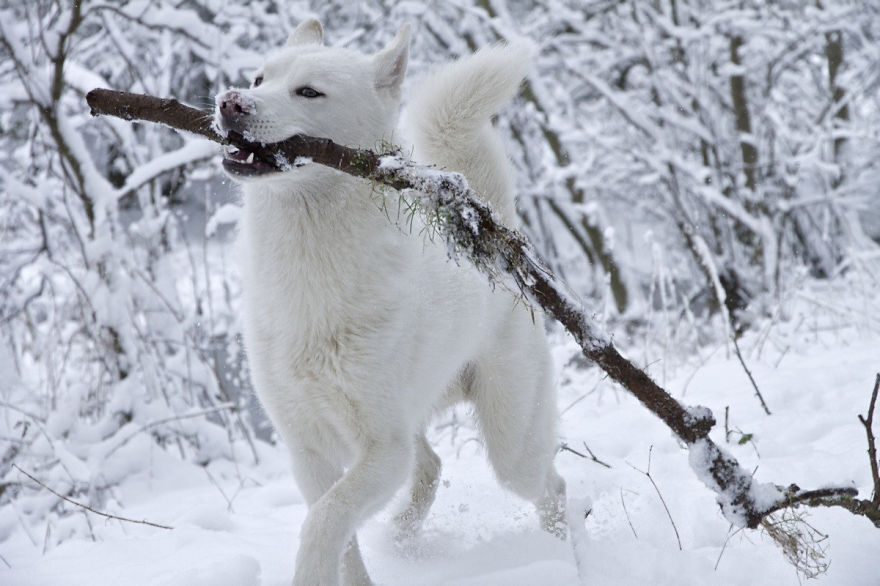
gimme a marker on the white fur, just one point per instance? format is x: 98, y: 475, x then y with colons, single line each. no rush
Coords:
x: 357, y: 331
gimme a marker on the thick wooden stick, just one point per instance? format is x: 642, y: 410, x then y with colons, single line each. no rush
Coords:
x: 471, y: 230
x: 171, y: 113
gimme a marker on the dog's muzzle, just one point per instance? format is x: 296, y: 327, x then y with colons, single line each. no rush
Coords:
x: 233, y: 111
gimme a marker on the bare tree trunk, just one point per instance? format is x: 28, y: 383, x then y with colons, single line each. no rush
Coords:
x: 834, y: 54
x: 741, y: 114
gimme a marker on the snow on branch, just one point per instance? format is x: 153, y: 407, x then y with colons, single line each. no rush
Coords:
x: 471, y: 229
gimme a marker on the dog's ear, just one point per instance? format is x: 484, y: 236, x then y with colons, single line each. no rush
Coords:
x: 391, y: 61
x: 308, y: 32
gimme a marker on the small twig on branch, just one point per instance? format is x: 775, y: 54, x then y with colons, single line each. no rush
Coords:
x: 872, y: 448
x: 744, y: 437
x: 800, y: 542
x: 471, y: 230
x: 90, y: 509
x: 843, y: 497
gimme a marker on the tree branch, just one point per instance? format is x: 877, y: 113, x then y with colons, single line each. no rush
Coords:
x: 501, y: 253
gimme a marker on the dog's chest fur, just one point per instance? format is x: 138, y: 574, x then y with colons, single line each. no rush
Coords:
x: 334, y: 292
x: 318, y: 268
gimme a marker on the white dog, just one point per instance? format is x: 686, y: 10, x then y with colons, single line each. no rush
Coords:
x: 358, y: 331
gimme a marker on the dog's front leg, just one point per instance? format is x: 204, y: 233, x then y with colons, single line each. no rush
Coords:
x: 334, y: 518
x: 315, y: 474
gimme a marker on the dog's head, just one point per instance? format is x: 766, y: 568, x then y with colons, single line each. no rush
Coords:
x: 307, y: 88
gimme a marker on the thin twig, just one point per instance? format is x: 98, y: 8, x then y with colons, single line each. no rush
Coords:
x: 146, y: 426
x: 219, y: 488
x: 657, y: 489
x: 90, y: 509
x: 726, y: 426
x: 724, y: 547
x: 872, y: 448
x: 743, y: 436
x: 573, y: 403
x: 592, y: 456
x: 566, y: 448
x: 749, y: 373
x: 626, y: 512
x: 47, y: 536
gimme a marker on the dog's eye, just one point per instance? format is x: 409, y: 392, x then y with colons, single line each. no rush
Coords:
x: 258, y: 80
x: 308, y: 92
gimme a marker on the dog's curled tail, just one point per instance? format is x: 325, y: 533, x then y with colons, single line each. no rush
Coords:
x: 448, y: 117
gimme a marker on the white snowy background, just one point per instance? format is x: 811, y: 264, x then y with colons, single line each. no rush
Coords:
x: 697, y: 170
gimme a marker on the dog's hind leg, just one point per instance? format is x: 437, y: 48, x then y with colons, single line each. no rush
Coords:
x: 331, y: 522
x: 515, y: 404
x: 422, y: 491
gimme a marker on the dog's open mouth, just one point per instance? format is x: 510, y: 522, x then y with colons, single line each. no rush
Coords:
x: 241, y: 162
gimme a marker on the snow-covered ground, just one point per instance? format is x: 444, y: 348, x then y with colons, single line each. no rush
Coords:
x: 238, y: 525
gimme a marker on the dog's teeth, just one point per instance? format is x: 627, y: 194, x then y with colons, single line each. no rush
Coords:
x: 250, y: 158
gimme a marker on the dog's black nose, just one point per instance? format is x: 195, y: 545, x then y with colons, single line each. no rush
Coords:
x: 233, y: 107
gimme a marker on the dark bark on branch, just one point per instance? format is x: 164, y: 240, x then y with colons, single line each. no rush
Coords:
x: 360, y: 163
x: 471, y: 229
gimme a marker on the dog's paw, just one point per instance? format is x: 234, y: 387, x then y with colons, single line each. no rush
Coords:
x: 407, y: 525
